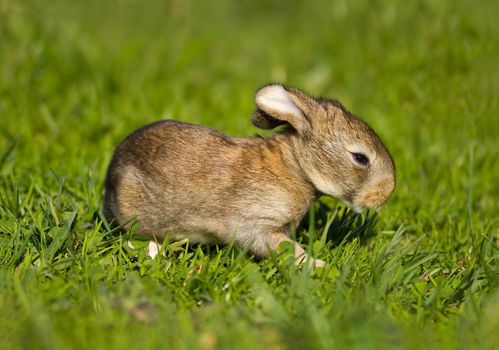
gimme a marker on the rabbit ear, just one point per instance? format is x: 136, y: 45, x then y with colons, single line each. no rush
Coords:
x: 279, y: 105
x: 264, y: 121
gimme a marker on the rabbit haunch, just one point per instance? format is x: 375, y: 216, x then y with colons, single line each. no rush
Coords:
x: 190, y: 181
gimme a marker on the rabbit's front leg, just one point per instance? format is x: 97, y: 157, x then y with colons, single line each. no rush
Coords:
x: 264, y: 243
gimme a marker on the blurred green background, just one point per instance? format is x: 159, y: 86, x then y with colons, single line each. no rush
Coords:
x: 77, y: 77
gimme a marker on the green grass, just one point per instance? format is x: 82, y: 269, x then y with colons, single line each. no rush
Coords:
x: 77, y: 78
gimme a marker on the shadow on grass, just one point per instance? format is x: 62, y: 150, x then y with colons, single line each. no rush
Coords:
x: 341, y: 223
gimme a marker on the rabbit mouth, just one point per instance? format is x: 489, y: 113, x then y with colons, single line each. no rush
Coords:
x: 356, y: 207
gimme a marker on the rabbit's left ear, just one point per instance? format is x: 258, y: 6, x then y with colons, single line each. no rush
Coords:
x: 264, y: 121
x: 280, y: 105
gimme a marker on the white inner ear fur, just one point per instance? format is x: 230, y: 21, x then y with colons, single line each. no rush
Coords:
x: 275, y: 98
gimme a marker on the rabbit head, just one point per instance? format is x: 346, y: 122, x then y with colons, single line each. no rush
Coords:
x: 337, y: 152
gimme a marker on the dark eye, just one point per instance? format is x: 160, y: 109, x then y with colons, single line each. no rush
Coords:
x: 361, y: 158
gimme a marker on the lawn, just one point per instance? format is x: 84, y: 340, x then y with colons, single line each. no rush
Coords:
x: 77, y: 77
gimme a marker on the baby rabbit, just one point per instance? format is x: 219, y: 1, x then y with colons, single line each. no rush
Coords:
x: 190, y: 181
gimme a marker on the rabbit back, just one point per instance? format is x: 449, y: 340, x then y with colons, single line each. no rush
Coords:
x: 193, y: 182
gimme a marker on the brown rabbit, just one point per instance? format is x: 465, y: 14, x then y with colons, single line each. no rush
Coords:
x: 189, y: 181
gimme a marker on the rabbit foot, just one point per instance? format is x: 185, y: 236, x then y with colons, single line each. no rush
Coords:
x: 306, y: 259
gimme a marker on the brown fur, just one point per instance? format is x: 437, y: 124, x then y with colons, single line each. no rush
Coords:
x: 189, y: 181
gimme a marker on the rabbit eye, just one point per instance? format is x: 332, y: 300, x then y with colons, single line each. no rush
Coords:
x: 361, y: 158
